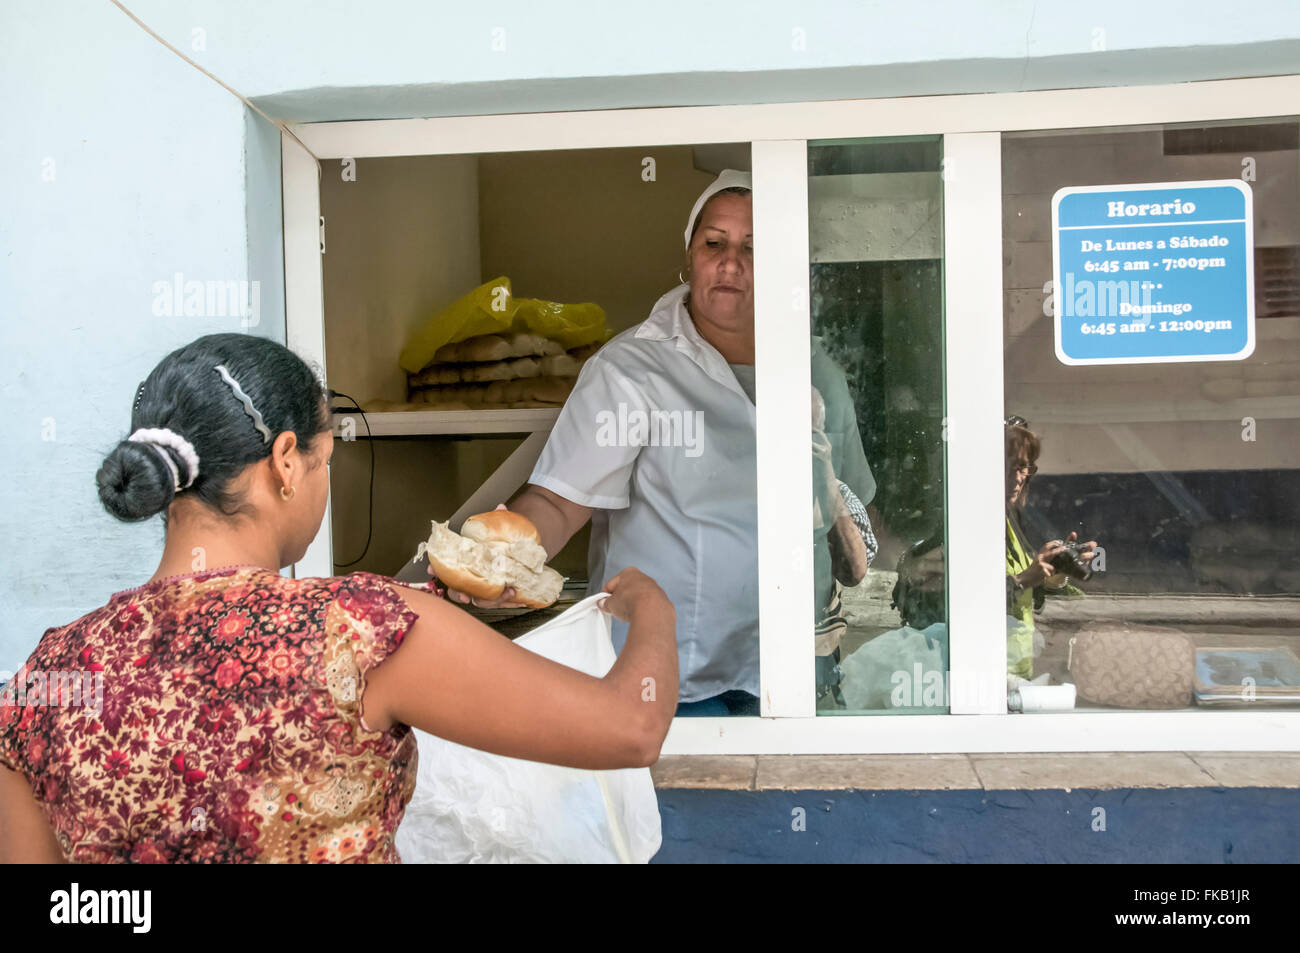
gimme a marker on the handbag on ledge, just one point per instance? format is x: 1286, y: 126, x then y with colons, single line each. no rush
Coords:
x: 1133, y: 666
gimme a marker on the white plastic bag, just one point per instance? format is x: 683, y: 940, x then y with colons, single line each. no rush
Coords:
x: 902, y: 668
x: 471, y: 806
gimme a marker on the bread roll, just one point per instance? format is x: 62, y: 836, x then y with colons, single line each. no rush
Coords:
x: 436, y: 374
x: 513, y: 390
x: 524, y: 344
x: 522, y: 540
x: 494, y: 550
x: 448, y: 352
x: 482, y: 373
x: 486, y: 347
x: 560, y: 365
x: 460, y: 563
x: 552, y: 389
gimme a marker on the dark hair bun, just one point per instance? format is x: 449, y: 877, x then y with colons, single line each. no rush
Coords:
x: 186, y: 394
x: 134, y: 482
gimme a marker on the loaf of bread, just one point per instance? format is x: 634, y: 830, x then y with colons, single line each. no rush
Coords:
x: 492, y: 551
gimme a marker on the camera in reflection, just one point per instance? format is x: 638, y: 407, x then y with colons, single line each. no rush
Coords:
x: 1068, y: 561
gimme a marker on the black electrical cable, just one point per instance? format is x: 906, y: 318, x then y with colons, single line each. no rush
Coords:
x: 370, y: 506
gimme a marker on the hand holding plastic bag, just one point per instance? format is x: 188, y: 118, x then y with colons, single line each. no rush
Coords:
x: 471, y: 806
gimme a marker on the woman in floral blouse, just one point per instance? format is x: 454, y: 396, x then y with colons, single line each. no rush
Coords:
x: 224, y: 713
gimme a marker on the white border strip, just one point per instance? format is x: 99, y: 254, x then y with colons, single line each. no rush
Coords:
x: 782, y: 326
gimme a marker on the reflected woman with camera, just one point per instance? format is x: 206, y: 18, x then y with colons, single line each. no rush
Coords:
x: 1028, y: 570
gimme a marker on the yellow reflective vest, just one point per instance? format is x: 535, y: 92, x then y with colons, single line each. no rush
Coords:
x: 1020, y: 638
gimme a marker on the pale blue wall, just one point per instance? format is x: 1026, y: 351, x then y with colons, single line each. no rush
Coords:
x: 158, y: 170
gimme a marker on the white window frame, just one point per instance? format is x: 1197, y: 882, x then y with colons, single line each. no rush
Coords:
x: 971, y: 126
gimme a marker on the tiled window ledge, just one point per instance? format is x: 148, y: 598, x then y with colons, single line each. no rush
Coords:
x: 994, y: 772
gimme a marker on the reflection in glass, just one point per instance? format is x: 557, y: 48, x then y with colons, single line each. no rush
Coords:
x: 880, y: 635
x: 1185, y: 473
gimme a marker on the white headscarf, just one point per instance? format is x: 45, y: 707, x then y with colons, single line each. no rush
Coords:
x: 727, y: 179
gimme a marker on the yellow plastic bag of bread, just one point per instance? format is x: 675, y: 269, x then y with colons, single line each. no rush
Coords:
x: 492, y: 308
x: 473, y: 807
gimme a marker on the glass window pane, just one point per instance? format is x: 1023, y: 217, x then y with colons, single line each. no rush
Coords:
x: 876, y: 260
x: 1165, y: 439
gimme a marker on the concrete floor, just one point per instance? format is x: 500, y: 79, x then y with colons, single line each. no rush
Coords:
x: 1091, y: 771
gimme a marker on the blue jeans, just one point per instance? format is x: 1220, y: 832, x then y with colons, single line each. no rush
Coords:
x: 734, y: 702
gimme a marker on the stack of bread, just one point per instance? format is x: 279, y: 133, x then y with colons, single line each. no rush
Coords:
x: 495, y: 372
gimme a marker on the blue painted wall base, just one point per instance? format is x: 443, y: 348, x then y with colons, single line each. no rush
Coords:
x: 1143, y: 825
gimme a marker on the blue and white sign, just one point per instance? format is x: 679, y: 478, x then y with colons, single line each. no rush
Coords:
x: 1152, y: 273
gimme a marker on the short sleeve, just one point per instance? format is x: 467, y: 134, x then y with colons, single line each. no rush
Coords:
x: 592, y: 450
x: 365, y: 624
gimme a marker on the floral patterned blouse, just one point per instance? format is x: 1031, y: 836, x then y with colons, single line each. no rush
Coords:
x: 217, y: 722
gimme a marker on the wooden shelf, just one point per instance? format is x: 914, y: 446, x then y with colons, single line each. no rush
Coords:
x: 414, y: 423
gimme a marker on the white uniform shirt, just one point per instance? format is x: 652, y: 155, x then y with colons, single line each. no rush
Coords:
x: 658, y: 438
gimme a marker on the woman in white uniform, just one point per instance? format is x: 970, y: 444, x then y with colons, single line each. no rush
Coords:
x: 655, y: 446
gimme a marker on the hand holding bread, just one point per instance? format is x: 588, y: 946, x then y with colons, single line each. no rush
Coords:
x: 496, y: 560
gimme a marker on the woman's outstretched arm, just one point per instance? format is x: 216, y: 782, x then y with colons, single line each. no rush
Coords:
x: 25, y: 835
x: 456, y: 678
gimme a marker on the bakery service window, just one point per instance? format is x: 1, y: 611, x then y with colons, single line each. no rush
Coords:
x: 1013, y: 463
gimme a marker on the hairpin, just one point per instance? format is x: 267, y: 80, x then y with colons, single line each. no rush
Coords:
x: 246, y: 401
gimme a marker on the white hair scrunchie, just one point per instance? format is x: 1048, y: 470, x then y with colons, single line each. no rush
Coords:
x: 159, y: 437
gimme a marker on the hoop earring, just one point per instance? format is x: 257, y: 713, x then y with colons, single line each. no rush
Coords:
x: 289, y: 495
